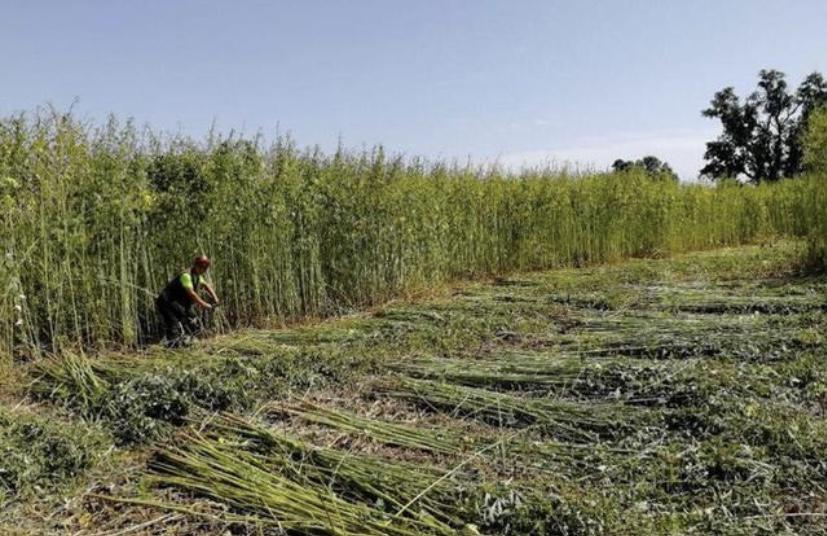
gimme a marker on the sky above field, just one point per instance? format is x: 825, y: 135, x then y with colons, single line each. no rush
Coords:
x: 518, y: 82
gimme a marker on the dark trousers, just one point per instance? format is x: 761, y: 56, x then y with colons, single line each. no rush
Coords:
x: 178, y: 319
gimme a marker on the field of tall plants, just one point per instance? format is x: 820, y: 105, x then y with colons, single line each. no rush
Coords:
x: 96, y: 218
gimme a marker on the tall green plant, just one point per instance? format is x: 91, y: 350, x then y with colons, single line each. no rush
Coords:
x: 95, y: 220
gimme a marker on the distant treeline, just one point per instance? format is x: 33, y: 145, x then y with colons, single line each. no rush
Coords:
x: 94, y: 220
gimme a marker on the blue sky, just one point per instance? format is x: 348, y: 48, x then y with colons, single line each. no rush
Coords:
x: 519, y: 82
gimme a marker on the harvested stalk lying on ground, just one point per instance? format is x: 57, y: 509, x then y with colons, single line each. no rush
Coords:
x: 538, y: 453
x: 258, y: 471
x: 74, y: 379
x: 517, y: 371
x: 745, y: 306
x: 656, y: 335
x: 271, y: 499
x: 563, y: 420
x: 632, y: 381
x: 436, y: 441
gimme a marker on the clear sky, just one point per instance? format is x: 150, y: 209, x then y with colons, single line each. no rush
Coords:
x: 518, y: 81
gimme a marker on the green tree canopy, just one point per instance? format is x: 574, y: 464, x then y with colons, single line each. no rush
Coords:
x: 651, y: 165
x: 815, y: 142
x: 762, y: 137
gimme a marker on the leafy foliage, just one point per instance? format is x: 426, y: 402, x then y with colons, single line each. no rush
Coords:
x: 815, y: 142
x: 38, y: 454
x: 762, y: 137
x: 141, y: 404
x: 650, y: 164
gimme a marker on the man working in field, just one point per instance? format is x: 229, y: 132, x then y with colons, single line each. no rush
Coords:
x: 177, y: 302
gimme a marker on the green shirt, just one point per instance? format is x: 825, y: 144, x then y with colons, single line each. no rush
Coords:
x: 186, y: 281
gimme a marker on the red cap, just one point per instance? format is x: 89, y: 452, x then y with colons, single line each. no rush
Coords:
x: 202, y: 260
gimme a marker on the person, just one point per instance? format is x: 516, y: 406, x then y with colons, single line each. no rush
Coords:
x: 178, y: 301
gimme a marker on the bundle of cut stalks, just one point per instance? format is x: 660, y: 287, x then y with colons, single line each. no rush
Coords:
x: 299, y: 487
x: 443, y: 442
x: 519, y: 371
x: 72, y: 378
x: 387, y: 433
x: 563, y: 420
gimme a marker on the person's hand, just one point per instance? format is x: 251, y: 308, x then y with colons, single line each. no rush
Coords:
x: 206, y: 306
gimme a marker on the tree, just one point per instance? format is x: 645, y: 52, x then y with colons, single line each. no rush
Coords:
x: 815, y: 142
x: 653, y: 166
x: 762, y: 138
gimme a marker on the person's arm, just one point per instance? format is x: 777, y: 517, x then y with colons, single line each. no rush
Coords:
x: 197, y: 299
x: 211, y: 292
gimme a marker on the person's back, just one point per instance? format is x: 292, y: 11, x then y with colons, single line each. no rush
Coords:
x: 176, y: 289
